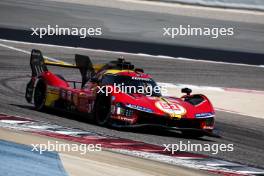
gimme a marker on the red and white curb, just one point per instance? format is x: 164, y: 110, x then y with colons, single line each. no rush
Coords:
x: 129, y: 147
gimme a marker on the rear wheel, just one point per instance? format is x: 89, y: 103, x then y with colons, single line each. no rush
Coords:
x: 40, y: 95
x: 102, y: 110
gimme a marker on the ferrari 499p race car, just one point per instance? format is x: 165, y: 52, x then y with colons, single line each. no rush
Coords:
x: 100, y: 93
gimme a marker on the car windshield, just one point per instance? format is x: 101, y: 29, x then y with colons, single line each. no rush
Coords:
x: 131, y: 85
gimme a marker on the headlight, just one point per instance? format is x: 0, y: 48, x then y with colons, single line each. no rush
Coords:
x: 123, y: 111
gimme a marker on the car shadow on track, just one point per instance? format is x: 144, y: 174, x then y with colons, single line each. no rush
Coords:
x: 162, y: 132
x: 84, y: 118
x: 59, y: 113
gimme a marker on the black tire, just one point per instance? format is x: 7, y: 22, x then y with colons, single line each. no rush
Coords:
x: 40, y: 95
x: 29, y: 91
x: 102, y: 111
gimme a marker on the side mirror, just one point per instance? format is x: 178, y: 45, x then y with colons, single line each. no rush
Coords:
x: 187, y: 91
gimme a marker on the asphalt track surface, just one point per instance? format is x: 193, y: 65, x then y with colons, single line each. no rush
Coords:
x: 246, y: 133
x: 134, y: 31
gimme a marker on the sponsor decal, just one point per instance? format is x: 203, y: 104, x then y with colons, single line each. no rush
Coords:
x: 140, y: 108
x: 140, y: 78
x: 204, y: 115
x: 123, y: 118
x: 173, y: 109
x: 153, y: 98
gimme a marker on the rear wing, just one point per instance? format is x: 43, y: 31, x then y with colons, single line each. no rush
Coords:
x: 59, y: 64
x: 38, y: 65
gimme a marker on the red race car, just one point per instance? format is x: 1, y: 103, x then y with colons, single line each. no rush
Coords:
x: 119, y: 95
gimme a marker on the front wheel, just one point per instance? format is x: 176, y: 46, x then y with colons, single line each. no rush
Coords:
x: 102, y: 110
x: 40, y: 95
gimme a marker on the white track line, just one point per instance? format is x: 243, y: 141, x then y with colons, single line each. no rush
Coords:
x: 26, y: 52
x: 16, y: 49
x: 135, y: 54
